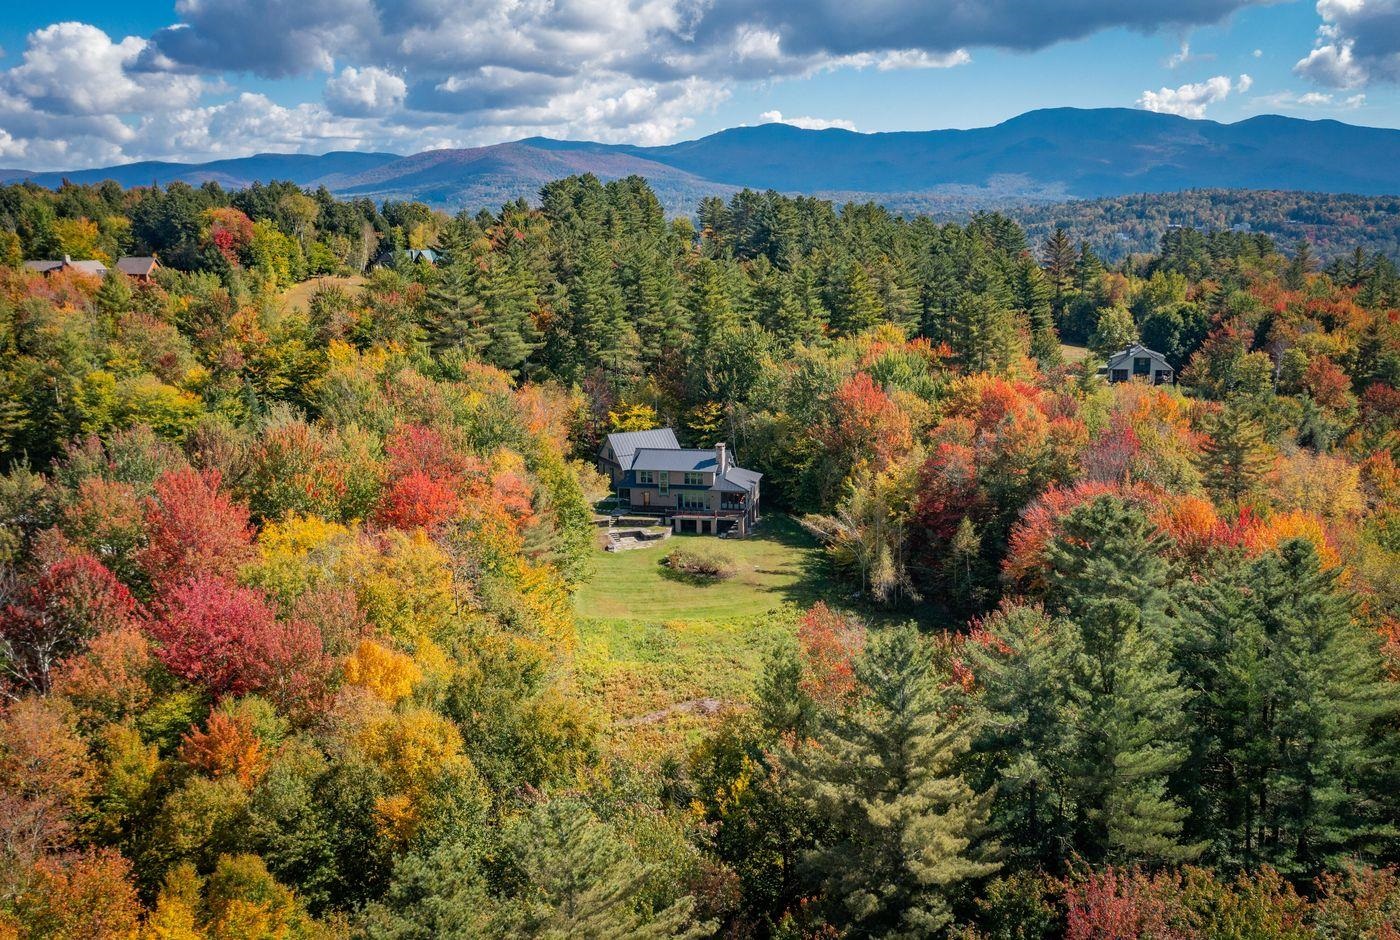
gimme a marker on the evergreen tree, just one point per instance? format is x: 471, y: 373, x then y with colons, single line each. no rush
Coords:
x: 1087, y: 269
x: 455, y: 316
x: 599, y: 335
x: 1300, y: 265
x: 1294, y: 717
x: 1234, y: 456
x: 906, y: 828
x: 1026, y: 745
x: 1106, y: 574
x: 114, y: 296
x: 1058, y: 257
x: 651, y: 294
x: 509, y: 301
x: 855, y: 306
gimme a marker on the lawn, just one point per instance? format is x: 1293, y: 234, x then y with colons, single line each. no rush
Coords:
x: 775, y: 566
x: 662, y: 657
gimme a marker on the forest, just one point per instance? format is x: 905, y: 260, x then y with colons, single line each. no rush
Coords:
x: 293, y: 552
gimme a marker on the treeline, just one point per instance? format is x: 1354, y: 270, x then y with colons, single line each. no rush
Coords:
x: 1117, y: 227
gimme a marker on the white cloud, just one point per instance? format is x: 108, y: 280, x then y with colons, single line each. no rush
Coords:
x: 74, y: 68
x: 1312, y: 99
x: 1357, y: 44
x: 1258, y: 53
x: 1192, y: 100
x: 399, y: 74
x: 807, y: 123
x: 364, y: 91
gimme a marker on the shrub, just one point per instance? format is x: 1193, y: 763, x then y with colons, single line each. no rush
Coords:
x: 705, y: 564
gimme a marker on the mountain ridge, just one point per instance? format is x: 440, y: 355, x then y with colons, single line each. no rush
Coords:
x: 1050, y: 153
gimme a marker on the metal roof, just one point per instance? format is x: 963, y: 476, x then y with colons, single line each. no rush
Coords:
x: 626, y: 443
x: 651, y: 458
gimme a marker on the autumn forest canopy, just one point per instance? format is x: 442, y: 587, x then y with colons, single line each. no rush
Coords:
x: 299, y: 630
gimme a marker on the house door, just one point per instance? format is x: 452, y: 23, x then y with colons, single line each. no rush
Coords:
x: 646, y: 498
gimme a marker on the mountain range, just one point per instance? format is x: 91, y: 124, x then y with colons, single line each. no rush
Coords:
x: 1045, y: 155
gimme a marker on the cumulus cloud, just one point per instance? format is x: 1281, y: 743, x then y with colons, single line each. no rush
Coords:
x: 807, y: 123
x: 1192, y: 100
x: 365, y: 91
x: 1357, y: 44
x: 409, y: 73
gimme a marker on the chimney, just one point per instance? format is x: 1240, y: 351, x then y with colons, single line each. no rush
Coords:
x: 721, y: 459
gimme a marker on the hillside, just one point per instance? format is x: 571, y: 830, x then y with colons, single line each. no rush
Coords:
x: 1050, y: 154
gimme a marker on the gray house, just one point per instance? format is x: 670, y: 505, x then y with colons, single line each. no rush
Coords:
x: 1137, y: 362
x: 694, y: 489
x: 95, y: 268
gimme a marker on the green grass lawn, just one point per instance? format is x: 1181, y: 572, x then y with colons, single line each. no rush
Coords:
x: 658, y: 655
x: 775, y: 566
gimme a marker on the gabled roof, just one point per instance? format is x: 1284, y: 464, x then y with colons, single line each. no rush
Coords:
x: 626, y: 443
x: 673, y: 458
x: 1133, y: 350
x: 137, y: 267
x: 87, y: 267
x: 737, y: 480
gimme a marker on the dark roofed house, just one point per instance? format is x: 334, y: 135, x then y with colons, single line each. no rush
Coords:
x: 140, y: 269
x: 1136, y: 361
x: 404, y: 257
x: 697, y: 488
x: 94, y: 268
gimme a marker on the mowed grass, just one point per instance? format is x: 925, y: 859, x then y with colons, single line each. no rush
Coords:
x: 663, y: 657
x: 775, y: 566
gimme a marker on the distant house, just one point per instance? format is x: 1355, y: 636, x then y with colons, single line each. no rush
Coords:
x: 95, y: 268
x: 141, y: 269
x: 693, y: 489
x: 138, y: 269
x: 1137, y: 362
x: 403, y: 257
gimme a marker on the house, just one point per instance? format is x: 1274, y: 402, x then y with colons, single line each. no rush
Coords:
x: 1136, y: 361
x: 95, y: 268
x: 141, y: 269
x: 694, y: 489
x: 402, y: 258
x: 138, y: 269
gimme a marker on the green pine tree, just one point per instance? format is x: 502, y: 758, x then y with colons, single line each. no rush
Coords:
x: 855, y: 305
x: 1295, y: 719
x: 1234, y: 457
x: 906, y: 828
x: 1107, y: 576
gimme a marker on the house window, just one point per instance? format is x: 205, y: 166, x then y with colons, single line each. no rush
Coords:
x: 694, y: 479
x: 624, y: 494
x: 1163, y: 377
x: 646, y: 476
x: 1120, y: 375
x: 1142, y: 365
x: 694, y: 501
x: 663, y: 484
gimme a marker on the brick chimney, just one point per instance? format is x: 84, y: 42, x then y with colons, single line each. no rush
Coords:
x: 721, y: 459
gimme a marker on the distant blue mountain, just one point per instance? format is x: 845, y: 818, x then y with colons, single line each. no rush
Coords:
x: 1055, y: 154
x: 237, y: 172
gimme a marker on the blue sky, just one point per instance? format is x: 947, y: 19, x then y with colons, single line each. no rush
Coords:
x: 85, y: 83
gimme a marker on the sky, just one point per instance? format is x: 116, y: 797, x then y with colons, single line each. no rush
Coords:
x: 94, y: 82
